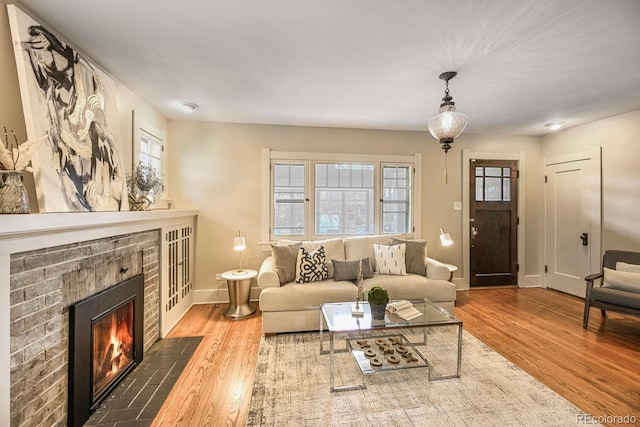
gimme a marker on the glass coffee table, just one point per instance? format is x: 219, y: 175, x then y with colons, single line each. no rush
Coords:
x: 389, y: 344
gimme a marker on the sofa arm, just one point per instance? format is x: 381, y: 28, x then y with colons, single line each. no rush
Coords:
x: 267, y: 277
x: 437, y: 270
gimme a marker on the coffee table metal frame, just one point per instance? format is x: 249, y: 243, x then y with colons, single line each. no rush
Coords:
x: 338, y: 320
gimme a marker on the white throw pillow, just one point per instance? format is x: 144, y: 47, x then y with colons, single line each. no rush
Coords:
x: 390, y: 259
x: 621, y: 280
x: 311, y: 266
x: 629, y: 268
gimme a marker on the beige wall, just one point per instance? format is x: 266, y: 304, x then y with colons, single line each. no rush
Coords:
x: 619, y: 137
x: 12, y: 116
x: 216, y: 168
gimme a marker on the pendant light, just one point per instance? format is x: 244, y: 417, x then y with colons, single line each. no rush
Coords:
x: 448, y: 123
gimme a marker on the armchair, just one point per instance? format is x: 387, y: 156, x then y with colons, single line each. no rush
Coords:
x: 619, y: 300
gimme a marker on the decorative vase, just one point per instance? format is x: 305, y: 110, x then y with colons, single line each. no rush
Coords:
x: 13, y: 194
x: 377, y: 311
x: 141, y: 201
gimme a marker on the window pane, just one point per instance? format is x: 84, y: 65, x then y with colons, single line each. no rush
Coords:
x: 479, y: 171
x: 344, y: 201
x: 396, y: 206
x: 492, y: 171
x: 289, y: 199
x: 506, y: 172
x: 506, y: 189
x: 493, y: 189
x: 479, y: 189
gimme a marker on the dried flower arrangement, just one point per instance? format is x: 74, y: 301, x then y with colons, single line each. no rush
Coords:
x: 16, y: 156
x: 145, y: 179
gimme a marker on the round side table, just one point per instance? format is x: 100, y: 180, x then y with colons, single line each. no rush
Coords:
x: 239, y: 285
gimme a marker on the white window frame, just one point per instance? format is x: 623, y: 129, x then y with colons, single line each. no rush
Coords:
x: 269, y: 157
x: 141, y: 126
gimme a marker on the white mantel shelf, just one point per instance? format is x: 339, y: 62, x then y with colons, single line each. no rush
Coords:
x: 12, y: 226
x: 21, y: 233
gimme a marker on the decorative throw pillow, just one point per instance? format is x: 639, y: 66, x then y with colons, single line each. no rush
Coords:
x: 348, y: 269
x: 284, y: 261
x: 390, y: 259
x: 621, y: 280
x: 415, y: 256
x: 629, y: 268
x: 311, y: 266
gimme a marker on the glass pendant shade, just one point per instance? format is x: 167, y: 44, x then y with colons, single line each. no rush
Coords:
x: 447, y: 125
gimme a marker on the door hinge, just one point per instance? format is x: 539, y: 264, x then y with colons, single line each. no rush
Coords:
x: 545, y: 179
x: 517, y: 268
x: 546, y: 269
x: 517, y: 220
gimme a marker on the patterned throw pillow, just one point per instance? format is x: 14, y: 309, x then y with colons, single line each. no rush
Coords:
x: 390, y: 259
x: 311, y: 266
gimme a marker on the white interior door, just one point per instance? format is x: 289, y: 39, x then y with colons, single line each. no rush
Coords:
x: 572, y: 216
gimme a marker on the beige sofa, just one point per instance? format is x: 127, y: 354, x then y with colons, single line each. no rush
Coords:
x: 290, y: 306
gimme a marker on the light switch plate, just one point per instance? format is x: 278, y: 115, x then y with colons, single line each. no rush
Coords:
x: 457, y: 206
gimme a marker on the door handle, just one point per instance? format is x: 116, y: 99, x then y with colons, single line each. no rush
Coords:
x: 474, y: 232
x: 585, y: 239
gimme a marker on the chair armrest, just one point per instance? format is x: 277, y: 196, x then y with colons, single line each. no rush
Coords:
x: 437, y: 270
x: 267, y: 277
x: 593, y: 277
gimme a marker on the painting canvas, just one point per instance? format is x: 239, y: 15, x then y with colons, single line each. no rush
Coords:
x: 79, y: 166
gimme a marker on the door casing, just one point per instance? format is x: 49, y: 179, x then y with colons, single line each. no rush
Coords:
x: 466, y: 157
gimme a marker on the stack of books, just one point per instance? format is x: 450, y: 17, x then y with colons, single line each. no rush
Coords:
x: 403, y: 309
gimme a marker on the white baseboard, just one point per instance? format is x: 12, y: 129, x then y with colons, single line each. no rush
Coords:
x: 532, y: 281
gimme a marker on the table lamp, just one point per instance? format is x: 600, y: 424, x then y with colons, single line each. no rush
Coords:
x: 239, y: 245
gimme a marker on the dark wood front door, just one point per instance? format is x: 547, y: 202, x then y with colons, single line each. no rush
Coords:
x: 494, y: 222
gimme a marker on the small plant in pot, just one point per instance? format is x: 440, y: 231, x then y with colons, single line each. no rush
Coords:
x: 378, y: 298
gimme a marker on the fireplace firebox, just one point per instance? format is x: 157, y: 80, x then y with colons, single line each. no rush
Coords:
x: 105, y: 344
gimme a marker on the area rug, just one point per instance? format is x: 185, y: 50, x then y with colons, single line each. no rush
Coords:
x: 292, y: 388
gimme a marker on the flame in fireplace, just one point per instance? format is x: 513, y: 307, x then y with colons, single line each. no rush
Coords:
x: 113, y: 344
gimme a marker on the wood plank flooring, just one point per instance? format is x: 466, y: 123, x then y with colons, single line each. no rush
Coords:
x: 539, y: 330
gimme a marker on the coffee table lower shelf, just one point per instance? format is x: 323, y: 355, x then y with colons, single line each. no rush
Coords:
x: 364, y: 362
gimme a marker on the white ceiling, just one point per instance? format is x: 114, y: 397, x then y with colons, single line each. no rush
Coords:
x: 365, y: 63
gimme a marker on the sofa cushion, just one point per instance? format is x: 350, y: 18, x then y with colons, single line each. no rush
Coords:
x: 390, y: 259
x: 362, y: 247
x: 413, y: 286
x: 415, y: 256
x: 348, y: 269
x: 284, y: 261
x: 621, y: 280
x: 293, y: 296
x: 333, y: 249
x: 311, y: 266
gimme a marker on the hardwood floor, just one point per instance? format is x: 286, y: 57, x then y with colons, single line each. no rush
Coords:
x: 539, y: 330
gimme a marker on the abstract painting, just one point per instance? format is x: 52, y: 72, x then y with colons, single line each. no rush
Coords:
x: 80, y: 166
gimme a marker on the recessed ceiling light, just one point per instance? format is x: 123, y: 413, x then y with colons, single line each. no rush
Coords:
x: 555, y: 125
x: 188, y: 107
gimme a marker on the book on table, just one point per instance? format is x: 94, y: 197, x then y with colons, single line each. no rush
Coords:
x: 403, y: 309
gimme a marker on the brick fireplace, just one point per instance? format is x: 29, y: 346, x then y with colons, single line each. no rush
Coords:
x: 43, y: 284
x: 49, y: 262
